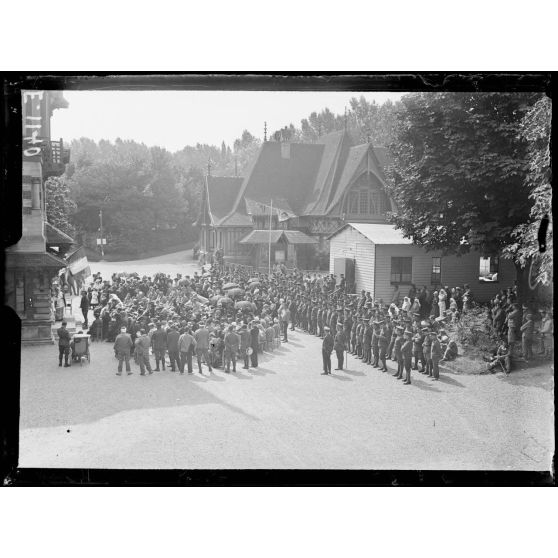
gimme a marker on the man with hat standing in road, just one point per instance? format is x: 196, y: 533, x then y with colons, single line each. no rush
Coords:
x: 63, y: 344
x: 339, y: 345
x: 201, y: 337
x: 142, y: 345
x: 159, y: 342
x: 172, y: 345
x: 122, y: 349
x: 232, y: 342
x: 327, y: 348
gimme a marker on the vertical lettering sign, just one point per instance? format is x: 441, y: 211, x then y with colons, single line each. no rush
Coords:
x: 32, y: 111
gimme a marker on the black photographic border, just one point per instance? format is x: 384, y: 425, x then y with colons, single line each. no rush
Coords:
x: 10, y: 191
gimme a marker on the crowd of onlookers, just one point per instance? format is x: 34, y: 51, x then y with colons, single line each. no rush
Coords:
x: 233, y: 302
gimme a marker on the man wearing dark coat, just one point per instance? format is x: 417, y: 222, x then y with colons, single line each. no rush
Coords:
x: 63, y: 344
x: 84, y: 305
x: 339, y: 345
x: 327, y: 348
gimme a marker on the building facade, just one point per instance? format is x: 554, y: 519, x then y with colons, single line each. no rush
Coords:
x: 32, y: 263
x: 312, y: 188
x: 383, y: 258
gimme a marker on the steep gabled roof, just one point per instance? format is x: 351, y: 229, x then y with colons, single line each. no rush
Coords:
x: 289, y: 178
x: 361, y: 157
x: 336, y: 146
x: 222, y: 192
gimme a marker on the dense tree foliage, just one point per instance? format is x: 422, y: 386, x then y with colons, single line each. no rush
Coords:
x: 60, y: 207
x: 459, y: 173
x: 535, y: 129
x: 366, y: 121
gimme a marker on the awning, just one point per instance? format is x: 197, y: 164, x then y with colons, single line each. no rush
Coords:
x: 33, y: 260
x: 55, y: 236
x: 77, y: 262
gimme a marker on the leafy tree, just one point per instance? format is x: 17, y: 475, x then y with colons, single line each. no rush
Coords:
x: 459, y: 171
x: 535, y: 129
x: 59, y: 205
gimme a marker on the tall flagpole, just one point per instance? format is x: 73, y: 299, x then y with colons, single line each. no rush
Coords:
x: 270, y: 215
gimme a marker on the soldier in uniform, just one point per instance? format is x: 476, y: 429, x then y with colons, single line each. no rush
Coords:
x: 390, y: 352
x: 407, y: 353
x: 397, y: 351
x: 383, y: 339
x: 375, y: 343
x: 436, y: 355
x: 327, y: 348
x: 418, y: 340
x: 339, y: 345
x: 63, y: 344
x: 426, y: 351
x: 367, y: 343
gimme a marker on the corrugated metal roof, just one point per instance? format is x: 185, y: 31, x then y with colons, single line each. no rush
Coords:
x: 378, y: 234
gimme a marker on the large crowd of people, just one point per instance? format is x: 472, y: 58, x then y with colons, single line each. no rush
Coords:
x: 225, y: 314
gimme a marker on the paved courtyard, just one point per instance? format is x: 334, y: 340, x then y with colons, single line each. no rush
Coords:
x: 282, y: 415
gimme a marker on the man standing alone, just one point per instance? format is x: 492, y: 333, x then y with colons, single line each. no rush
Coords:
x: 63, y: 344
x: 84, y: 305
x: 339, y: 344
x: 122, y: 348
x: 327, y: 348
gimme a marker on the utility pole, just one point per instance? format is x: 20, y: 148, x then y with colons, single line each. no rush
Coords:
x: 101, y: 229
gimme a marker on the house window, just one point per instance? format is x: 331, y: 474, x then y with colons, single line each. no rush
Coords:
x: 374, y: 203
x: 436, y: 278
x: 488, y: 269
x: 401, y: 270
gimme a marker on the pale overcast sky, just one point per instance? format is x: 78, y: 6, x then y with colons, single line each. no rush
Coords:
x: 173, y: 119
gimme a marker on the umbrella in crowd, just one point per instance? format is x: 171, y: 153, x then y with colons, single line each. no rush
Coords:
x: 244, y: 305
x: 224, y: 301
x: 215, y: 299
x: 228, y: 286
x: 236, y: 293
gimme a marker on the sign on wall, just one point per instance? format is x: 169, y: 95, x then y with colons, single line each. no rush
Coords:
x: 33, y: 110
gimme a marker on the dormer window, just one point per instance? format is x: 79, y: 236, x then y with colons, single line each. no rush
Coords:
x: 366, y: 198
